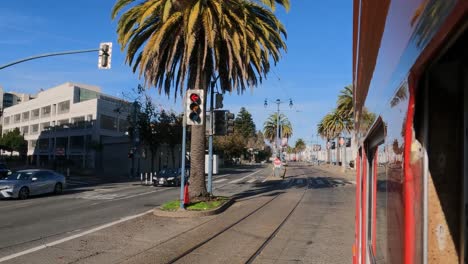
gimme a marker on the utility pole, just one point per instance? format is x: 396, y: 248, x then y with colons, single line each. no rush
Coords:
x: 278, y: 140
x: 210, y: 138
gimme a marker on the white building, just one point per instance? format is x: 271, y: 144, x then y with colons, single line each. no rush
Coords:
x: 67, y: 122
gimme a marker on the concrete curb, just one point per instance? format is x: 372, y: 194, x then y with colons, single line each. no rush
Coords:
x: 182, y: 213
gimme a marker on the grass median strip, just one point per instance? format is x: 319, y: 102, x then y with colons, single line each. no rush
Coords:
x: 210, y: 204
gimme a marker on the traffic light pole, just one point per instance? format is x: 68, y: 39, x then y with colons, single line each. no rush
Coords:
x: 182, y: 180
x: 47, y: 55
x: 210, y: 141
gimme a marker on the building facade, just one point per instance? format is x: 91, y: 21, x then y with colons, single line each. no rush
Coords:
x: 67, y: 122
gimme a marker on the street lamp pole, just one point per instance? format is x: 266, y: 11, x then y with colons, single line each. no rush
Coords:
x: 278, y: 143
x: 278, y: 140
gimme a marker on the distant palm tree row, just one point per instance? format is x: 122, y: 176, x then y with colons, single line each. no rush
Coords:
x: 341, y: 120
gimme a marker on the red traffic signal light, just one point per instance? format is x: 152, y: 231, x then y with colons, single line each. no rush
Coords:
x: 195, y: 98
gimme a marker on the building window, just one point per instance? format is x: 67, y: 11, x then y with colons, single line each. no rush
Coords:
x: 108, y: 122
x: 25, y: 130
x: 45, y: 126
x: 46, y: 111
x: 44, y: 144
x: 63, y: 107
x: 35, y: 129
x: 62, y: 122
x: 25, y: 116
x: 79, y: 119
x: 34, y: 114
x: 77, y: 142
x: 6, y: 120
x: 86, y: 95
x: 17, y: 118
x: 123, y: 125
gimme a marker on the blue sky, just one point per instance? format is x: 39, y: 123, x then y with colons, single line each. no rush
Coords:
x: 317, y: 65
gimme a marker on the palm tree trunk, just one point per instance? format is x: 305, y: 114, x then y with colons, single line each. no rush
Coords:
x: 197, y: 186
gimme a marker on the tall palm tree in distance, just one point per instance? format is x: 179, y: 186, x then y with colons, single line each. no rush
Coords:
x: 177, y: 45
x: 270, y: 125
x: 300, y: 146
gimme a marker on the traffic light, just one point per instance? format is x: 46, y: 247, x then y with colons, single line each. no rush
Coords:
x: 229, y: 123
x: 105, y: 54
x: 348, y: 142
x: 194, y: 107
x: 220, y: 123
x: 219, y: 101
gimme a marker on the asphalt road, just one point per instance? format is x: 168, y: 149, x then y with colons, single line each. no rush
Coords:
x: 85, y: 205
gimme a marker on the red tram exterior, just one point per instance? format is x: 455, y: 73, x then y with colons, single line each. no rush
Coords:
x: 411, y: 198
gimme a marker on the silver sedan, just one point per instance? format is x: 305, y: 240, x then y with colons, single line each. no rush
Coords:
x: 24, y: 183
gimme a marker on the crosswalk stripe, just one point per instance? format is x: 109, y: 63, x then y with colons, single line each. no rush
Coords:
x: 220, y: 180
x: 241, y: 179
x: 251, y: 181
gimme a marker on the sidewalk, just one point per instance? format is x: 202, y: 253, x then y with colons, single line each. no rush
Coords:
x: 320, y: 230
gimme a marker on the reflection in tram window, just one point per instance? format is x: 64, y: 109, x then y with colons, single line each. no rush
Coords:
x: 381, y: 206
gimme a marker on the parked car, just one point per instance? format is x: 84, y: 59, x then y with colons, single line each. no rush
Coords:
x: 24, y: 183
x: 167, y: 177
x: 170, y: 177
x: 4, y: 170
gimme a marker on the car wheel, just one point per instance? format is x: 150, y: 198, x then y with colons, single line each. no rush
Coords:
x: 23, y: 193
x: 58, y: 189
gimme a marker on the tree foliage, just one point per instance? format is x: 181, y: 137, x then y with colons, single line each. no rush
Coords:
x: 245, y: 124
x: 271, y: 124
x: 14, y: 141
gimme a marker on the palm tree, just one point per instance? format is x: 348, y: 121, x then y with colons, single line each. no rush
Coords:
x: 300, y: 146
x: 345, y: 103
x: 178, y: 45
x: 330, y: 127
x: 270, y: 127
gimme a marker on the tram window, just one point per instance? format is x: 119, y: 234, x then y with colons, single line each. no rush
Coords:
x: 381, y: 206
x: 377, y: 194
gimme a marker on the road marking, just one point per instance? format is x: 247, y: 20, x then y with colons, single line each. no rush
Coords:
x: 34, y: 249
x: 264, y: 180
x: 221, y: 176
x: 131, y: 196
x: 17, y: 205
x: 251, y: 181
x: 220, y: 180
x: 241, y: 179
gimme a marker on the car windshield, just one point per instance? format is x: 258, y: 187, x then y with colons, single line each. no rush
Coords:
x: 19, y: 176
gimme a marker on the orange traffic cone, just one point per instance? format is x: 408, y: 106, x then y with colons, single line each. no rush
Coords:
x: 186, y: 195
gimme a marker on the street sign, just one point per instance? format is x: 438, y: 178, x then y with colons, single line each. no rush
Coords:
x: 59, y: 152
x: 277, y: 162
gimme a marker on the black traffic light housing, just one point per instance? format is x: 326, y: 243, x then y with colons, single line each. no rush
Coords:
x: 220, y: 123
x: 219, y: 101
x: 229, y: 123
